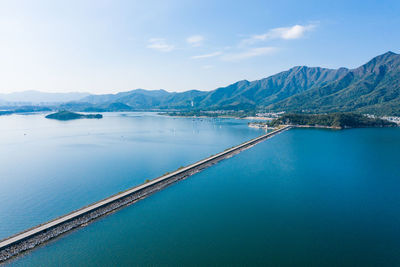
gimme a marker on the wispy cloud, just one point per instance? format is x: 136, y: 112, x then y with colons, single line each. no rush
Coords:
x: 207, y: 55
x: 286, y: 33
x: 252, y: 52
x: 195, y: 40
x: 160, y: 44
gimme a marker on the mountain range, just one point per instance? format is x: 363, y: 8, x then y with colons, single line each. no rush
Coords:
x: 36, y: 97
x: 371, y: 88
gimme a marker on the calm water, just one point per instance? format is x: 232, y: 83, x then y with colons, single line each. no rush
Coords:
x: 49, y: 168
x: 305, y: 197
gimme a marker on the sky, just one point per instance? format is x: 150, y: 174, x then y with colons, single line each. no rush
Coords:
x: 103, y: 46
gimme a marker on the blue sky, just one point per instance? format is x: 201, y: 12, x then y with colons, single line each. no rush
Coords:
x: 109, y: 46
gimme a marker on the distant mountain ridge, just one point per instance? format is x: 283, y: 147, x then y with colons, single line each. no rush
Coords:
x: 148, y: 99
x: 242, y: 94
x: 36, y: 97
x: 371, y: 88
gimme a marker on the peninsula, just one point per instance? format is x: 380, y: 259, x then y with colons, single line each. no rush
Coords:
x: 332, y: 120
x: 67, y: 115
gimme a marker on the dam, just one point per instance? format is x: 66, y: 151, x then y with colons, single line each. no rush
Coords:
x: 14, y: 245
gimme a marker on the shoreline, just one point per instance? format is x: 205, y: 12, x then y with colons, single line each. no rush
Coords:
x: 318, y: 127
x: 219, y: 117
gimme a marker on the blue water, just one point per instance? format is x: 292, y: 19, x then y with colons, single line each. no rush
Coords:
x: 49, y: 168
x: 305, y: 197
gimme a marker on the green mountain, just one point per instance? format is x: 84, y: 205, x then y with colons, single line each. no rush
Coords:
x: 272, y: 89
x: 148, y: 99
x: 372, y: 88
x: 240, y: 95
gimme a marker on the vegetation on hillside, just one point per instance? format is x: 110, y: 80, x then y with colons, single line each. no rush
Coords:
x: 334, y: 120
x: 67, y: 115
x: 373, y: 88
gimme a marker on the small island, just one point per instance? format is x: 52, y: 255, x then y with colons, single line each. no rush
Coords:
x: 333, y: 120
x: 68, y: 115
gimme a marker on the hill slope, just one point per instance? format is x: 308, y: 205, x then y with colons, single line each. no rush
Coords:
x: 371, y: 88
x: 272, y: 89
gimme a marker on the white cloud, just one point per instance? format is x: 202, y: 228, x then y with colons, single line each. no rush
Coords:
x: 207, y: 55
x: 195, y: 40
x: 286, y: 33
x: 253, y: 52
x: 160, y: 44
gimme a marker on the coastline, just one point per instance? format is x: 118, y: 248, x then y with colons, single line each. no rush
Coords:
x: 320, y: 127
x: 265, y: 127
x: 219, y: 117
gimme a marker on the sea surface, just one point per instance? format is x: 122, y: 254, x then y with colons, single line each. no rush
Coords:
x: 306, y: 197
x: 50, y: 167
